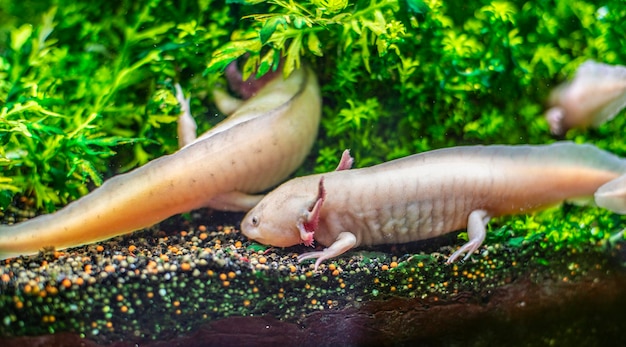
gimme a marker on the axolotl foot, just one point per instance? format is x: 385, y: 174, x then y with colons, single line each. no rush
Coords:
x: 345, y: 241
x: 476, y: 223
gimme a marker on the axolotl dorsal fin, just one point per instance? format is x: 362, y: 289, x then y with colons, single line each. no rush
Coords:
x: 346, y: 161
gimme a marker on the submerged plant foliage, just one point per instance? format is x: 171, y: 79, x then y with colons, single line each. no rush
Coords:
x: 80, y: 82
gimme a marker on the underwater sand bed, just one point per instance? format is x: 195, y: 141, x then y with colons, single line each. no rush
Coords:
x: 190, y: 283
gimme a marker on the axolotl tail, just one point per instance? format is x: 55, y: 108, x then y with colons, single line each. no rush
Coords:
x: 612, y: 195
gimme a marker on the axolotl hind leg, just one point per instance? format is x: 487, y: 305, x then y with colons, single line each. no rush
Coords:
x: 476, y: 223
x: 225, y: 102
x: 234, y: 201
x: 612, y: 195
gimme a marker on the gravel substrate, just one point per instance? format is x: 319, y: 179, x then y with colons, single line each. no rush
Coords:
x: 170, y: 281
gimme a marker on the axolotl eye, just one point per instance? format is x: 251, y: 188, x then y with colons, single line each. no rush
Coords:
x: 255, y: 221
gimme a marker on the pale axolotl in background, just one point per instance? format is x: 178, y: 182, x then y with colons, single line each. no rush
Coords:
x: 430, y: 194
x: 595, y: 95
x: 264, y: 140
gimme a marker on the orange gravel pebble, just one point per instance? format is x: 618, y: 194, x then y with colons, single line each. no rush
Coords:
x: 66, y: 283
x: 52, y: 290
x: 100, y: 248
x: 109, y: 268
x: 185, y: 266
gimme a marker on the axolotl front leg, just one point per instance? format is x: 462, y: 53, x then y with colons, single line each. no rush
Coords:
x: 345, y: 241
x: 187, y: 127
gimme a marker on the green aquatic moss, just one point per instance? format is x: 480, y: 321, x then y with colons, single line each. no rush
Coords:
x: 86, y: 89
x: 80, y: 82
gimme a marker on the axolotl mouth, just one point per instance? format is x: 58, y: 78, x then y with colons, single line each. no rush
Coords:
x: 262, y: 232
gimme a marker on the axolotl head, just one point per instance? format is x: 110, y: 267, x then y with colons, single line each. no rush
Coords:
x: 286, y: 216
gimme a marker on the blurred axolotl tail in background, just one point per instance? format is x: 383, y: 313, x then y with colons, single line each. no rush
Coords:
x: 430, y: 194
x: 264, y: 140
x: 595, y: 95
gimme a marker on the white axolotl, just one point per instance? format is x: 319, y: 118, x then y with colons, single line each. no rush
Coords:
x: 430, y: 194
x: 595, y: 95
x: 264, y: 140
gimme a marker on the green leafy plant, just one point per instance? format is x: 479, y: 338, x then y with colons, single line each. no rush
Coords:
x: 397, y: 76
x: 292, y: 29
x: 73, y: 92
x: 401, y: 77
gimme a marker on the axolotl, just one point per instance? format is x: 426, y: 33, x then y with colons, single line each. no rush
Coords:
x: 430, y: 194
x: 264, y: 139
x: 595, y: 95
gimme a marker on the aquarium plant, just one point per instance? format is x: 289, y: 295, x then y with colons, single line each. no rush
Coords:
x: 86, y: 89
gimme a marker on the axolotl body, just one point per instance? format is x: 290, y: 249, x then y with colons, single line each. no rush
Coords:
x: 595, y: 95
x: 264, y: 139
x: 430, y: 194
